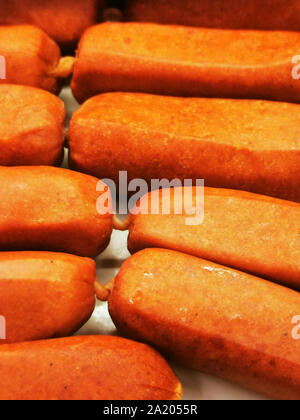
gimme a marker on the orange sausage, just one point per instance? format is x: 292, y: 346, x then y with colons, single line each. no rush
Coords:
x: 44, y: 295
x: 85, y: 368
x: 245, y: 145
x: 31, y: 126
x: 211, y: 318
x: 249, y: 232
x: 31, y: 58
x: 186, y: 61
x: 62, y: 20
x: 235, y: 14
x: 51, y: 209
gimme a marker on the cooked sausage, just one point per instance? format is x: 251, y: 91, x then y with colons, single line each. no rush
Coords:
x: 249, y: 232
x: 31, y: 126
x: 44, y: 294
x: 186, y: 61
x: 211, y: 318
x: 245, y: 145
x: 85, y: 368
x: 51, y: 209
x: 31, y: 58
x: 235, y: 14
x: 62, y: 20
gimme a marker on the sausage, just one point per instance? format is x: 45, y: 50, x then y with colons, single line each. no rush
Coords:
x: 62, y: 20
x: 234, y: 14
x: 44, y: 294
x: 186, y: 61
x: 31, y: 126
x: 249, y: 232
x: 51, y: 209
x: 85, y: 368
x: 211, y: 318
x: 31, y: 58
x: 244, y: 145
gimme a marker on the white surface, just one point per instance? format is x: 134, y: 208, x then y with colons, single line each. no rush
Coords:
x: 196, y: 386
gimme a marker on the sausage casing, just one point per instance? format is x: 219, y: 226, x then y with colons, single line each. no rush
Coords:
x: 185, y: 61
x: 244, y: 145
x: 44, y: 294
x: 51, y: 209
x: 209, y: 317
x: 85, y: 368
x: 31, y: 126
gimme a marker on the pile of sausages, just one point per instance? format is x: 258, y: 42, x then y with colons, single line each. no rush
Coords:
x: 205, y: 90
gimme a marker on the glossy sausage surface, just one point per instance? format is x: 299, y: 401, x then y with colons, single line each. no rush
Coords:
x: 44, y: 294
x: 51, y: 209
x: 244, y: 145
x: 85, y: 368
x: 186, y: 61
x: 31, y: 57
x: 31, y: 126
x: 62, y: 20
x: 235, y: 14
x: 211, y: 318
x: 249, y: 232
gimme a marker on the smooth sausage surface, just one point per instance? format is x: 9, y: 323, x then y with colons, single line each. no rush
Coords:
x: 31, y: 126
x: 249, y: 232
x: 31, y: 57
x: 244, y: 145
x: 211, y: 318
x: 235, y: 14
x: 62, y: 20
x: 186, y: 61
x: 51, y: 209
x: 85, y: 368
x: 44, y: 294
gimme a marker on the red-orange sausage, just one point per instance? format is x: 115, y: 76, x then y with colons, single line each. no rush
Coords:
x: 31, y: 58
x: 186, y: 61
x: 244, y: 145
x: 62, y: 20
x: 51, y: 209
x: 31, y: 126
x: 249, y: 232
x: 85, y: 368
x: 209, y: 317
x: 235, y: 14
x: 44, y: 294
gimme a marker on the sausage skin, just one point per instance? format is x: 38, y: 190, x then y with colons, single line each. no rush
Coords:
x: 187, y: 61
x: 31, y: 126
x: 31, y: 57
x: 44, y: 294
x: 51, y: 209
x: 85, y: 368
x: 62, y: 20
x: 211, y: 318
x: 244, y: 145
x: 249, y: 232
x: 234, y: 14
